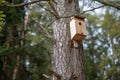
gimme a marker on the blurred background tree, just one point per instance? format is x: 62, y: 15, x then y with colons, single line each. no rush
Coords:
x: 102, y: 45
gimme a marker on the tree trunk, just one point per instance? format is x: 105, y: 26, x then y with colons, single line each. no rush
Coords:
x: 67, y: 60
x: 16, y: 67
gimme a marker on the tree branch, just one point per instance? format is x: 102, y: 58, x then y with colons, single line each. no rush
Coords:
x: 46, y: 76
x: 44, y: 30
x: 53, y: 13
x: 55, y: 73
x: 91, y: 9
x: 81, y: 12
x: 115, y: 4
x: 54, y: 10
x: 6, y: 4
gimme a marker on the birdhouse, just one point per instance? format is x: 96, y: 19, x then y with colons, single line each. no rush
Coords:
x: 77, y: 28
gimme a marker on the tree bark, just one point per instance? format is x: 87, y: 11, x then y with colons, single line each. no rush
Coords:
x: 67, y: 60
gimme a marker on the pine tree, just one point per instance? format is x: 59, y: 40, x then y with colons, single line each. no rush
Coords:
x: 67, y: 61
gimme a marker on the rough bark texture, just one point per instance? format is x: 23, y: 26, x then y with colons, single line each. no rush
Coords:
x: 67, y: 60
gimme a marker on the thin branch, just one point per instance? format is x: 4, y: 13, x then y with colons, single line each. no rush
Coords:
x: 91, y: 9
x: 115, y: 4
x: 54, y: 10
x: 46, y: 76
x: 55, y: 73
x: 44, y: 30
x: 48, y: 10
x: 40, y: 26
x: 6, y: 4
x: 51, y: 22
x: 82, y: 12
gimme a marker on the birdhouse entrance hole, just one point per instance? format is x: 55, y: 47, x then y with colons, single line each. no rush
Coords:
x: 79, y: 23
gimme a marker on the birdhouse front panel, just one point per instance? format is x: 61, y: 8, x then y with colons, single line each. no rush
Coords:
x: 77, y: 28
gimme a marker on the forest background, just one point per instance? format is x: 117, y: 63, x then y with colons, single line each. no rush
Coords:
x: 26, y: 39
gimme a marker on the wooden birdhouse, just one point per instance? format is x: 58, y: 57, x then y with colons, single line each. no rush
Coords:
x: 77, y: 28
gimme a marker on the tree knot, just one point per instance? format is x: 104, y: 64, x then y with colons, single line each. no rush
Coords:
x: 73, y: 76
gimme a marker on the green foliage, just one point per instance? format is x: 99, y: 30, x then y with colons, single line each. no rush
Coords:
x: 3, y: 1
x: 2, y: 16
x: 102, y: 46
x: 38, y: 61
x: 13, y: 13
x: 91, y: 68
x: 111, y: 24
x: 39, y: 46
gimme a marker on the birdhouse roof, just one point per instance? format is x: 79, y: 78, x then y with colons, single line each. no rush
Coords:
x: 78, y: 17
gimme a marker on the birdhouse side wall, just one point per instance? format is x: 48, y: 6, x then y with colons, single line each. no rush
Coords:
x: 84, y: 28
x: 73, y: 28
